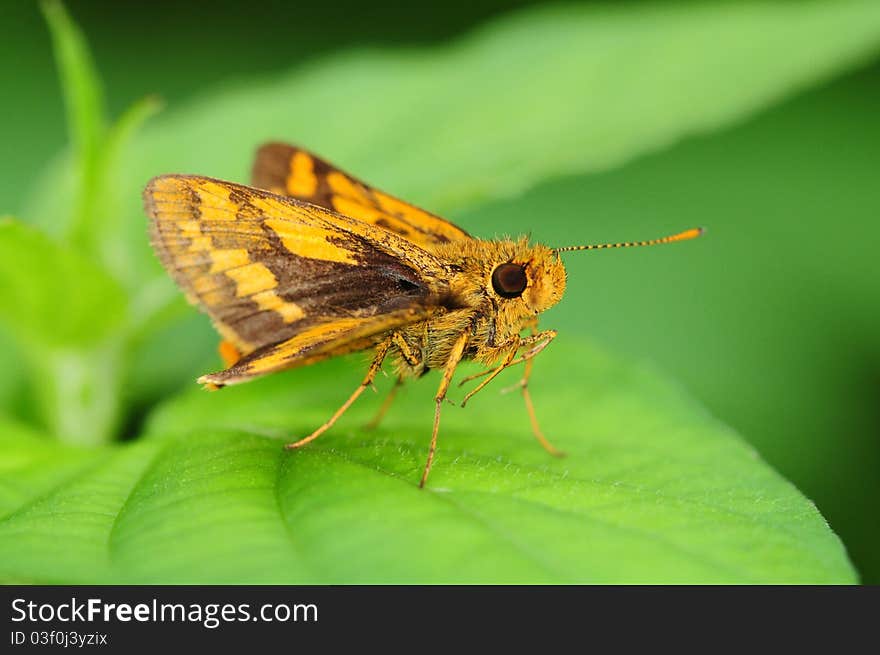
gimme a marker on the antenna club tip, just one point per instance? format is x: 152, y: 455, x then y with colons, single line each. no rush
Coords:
x: 692, y: 233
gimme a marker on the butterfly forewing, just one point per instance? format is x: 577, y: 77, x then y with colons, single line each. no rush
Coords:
x: 269, y: 269
x: 291, y: 171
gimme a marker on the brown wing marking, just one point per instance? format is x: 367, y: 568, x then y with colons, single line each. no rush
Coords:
x: 291, y: 171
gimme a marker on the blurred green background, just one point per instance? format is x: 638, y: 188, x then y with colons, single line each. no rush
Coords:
x: 774, y: 324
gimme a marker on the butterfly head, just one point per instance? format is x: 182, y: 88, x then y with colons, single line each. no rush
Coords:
x: 533, y: 278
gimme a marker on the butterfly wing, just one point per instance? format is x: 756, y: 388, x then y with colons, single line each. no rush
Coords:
x: 291, y: 171
x: 336, y: 336
x: 286, y: 282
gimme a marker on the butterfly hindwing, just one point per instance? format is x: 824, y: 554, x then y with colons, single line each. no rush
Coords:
x: 334, y: 337
x: 269, y: 269
x: 291, y: 171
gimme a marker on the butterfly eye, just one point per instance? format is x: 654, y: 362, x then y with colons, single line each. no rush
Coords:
x: 509, y: 280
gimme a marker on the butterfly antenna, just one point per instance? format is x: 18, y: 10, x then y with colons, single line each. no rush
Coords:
x: 692, y: 233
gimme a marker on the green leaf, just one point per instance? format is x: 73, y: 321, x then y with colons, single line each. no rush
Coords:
x: 68, y: 318
x: 13, y: 390
x: 62, y: 302
x: 84, y: 100
x: 107, y: 221
x: 50, y: 295
x: 652, y: 490
x: 90, y: 219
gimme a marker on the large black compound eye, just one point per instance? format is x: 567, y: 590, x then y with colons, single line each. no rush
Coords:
x: 509, y: 280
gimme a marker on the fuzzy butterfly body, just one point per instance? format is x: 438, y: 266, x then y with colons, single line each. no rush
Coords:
x: 310, y: 263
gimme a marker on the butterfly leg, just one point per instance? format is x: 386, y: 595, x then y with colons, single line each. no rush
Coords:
x: 413, y: 359
x: 508, y: 358
x: 383, y: 409
x: 381, y: 351
x: 541, y: 339
x: 530, y: 408
x: 448, y: 371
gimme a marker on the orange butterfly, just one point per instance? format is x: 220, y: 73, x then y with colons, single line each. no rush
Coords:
x: 311, y: 263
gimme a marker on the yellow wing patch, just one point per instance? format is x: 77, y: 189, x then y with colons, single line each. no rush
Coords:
x: 311, y: 241
x: 302, y: 180
x: 292, y: 171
